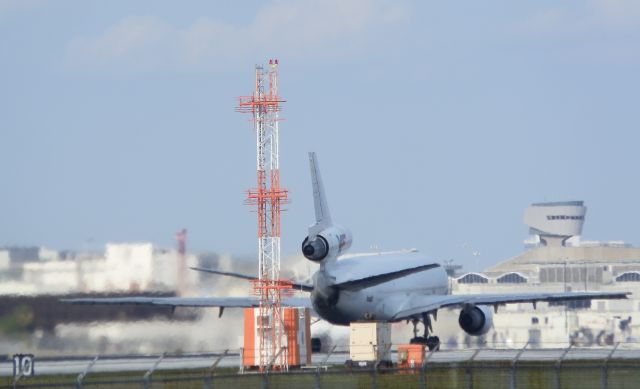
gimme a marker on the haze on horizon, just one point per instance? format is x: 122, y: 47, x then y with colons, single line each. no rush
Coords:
x: 435, y: 123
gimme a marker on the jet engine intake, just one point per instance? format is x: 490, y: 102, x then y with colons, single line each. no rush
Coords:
x: 330, y: 242
x: 476, y: 320
x: 315, y: 250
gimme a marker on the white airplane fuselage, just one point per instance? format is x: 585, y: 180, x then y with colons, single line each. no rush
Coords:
x: 380, y: 302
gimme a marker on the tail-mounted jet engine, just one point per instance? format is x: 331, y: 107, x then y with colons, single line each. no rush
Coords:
x: 330, y: 242
x: 476, y: 320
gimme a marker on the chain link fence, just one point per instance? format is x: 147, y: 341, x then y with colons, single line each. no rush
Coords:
x: 465, y: 369
x: 449, y: 376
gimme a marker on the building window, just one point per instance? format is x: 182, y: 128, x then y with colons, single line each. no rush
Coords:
x: 630, y: 276
x: 473, y: 278
x: 511, y: 278
x: 534, y: 320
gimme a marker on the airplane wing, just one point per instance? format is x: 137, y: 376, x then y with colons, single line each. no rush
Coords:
x: 219, y: 302
x: 421, y: 303
x: 296, y: 285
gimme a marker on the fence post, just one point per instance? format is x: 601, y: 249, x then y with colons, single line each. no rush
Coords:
x: 513, y: 366
x: 469, y: 368
x: 215, y: 364
x: 207, y: 382
x: 16, y: 379
x: 85, y: 372
x: 147, y: 376
x: 273, y: 359
x: 423, y: 369
x: 209, y: 379
x: 604, y: 372
x: 374, y: 376
x: 265, y: 380
x: 317, y: 378
x: 559, y: 364
x: 326, y: 359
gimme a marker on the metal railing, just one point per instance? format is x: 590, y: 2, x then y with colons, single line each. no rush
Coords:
x: 521, y: 368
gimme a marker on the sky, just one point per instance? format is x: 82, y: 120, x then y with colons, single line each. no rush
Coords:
x: 435, y: 123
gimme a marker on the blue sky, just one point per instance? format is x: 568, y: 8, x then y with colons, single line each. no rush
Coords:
x: 436, y: 123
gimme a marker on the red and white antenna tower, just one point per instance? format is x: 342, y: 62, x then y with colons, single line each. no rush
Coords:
x: 268, y: 196
x: 181, y: 240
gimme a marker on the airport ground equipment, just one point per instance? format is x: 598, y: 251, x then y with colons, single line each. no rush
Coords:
x: 410, y: 356
x: 369, y: 343
x: 296, y: 350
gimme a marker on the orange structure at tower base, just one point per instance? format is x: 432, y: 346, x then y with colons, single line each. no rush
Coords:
x: 296, y: 349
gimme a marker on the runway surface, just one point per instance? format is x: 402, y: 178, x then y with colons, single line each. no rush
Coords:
x: 77, y: 365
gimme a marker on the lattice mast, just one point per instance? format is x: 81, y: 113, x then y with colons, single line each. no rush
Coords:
x: 268, y: 197
x: 181, y: 243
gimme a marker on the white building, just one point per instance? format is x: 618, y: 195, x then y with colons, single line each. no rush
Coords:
x: 124, y: 267
x: 557, y: 261
x: 129, y: 265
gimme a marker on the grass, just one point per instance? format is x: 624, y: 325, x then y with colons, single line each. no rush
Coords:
x: 573, y: 374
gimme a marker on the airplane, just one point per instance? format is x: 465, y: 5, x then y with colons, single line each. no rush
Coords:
x: 393, y: 287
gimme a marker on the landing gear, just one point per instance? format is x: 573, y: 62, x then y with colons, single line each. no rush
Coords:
x: 432, y: 342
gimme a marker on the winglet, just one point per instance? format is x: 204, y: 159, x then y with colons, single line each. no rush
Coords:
x: 323, y: 217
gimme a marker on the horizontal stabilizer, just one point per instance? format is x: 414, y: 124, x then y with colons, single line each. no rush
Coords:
x: 296, y: 285
x: 373, y: 280
x: 224, y: 273
x: 220, y: 302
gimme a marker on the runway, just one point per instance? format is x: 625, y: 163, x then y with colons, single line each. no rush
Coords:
x: 109, y: 364
x: 142, y: 364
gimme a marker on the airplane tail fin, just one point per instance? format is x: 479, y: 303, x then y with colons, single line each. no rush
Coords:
x: 323, y: 216
x: 325, y: 240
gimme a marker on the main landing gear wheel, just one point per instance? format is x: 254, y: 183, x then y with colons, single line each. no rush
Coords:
x: 432, y: 342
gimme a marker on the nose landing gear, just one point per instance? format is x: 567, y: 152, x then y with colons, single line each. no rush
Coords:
x: 432, y: 342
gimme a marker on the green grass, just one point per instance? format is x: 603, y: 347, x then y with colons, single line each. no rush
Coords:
x: 573, y: 374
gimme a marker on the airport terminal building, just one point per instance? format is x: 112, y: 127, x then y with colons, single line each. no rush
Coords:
x: 556, y: 261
